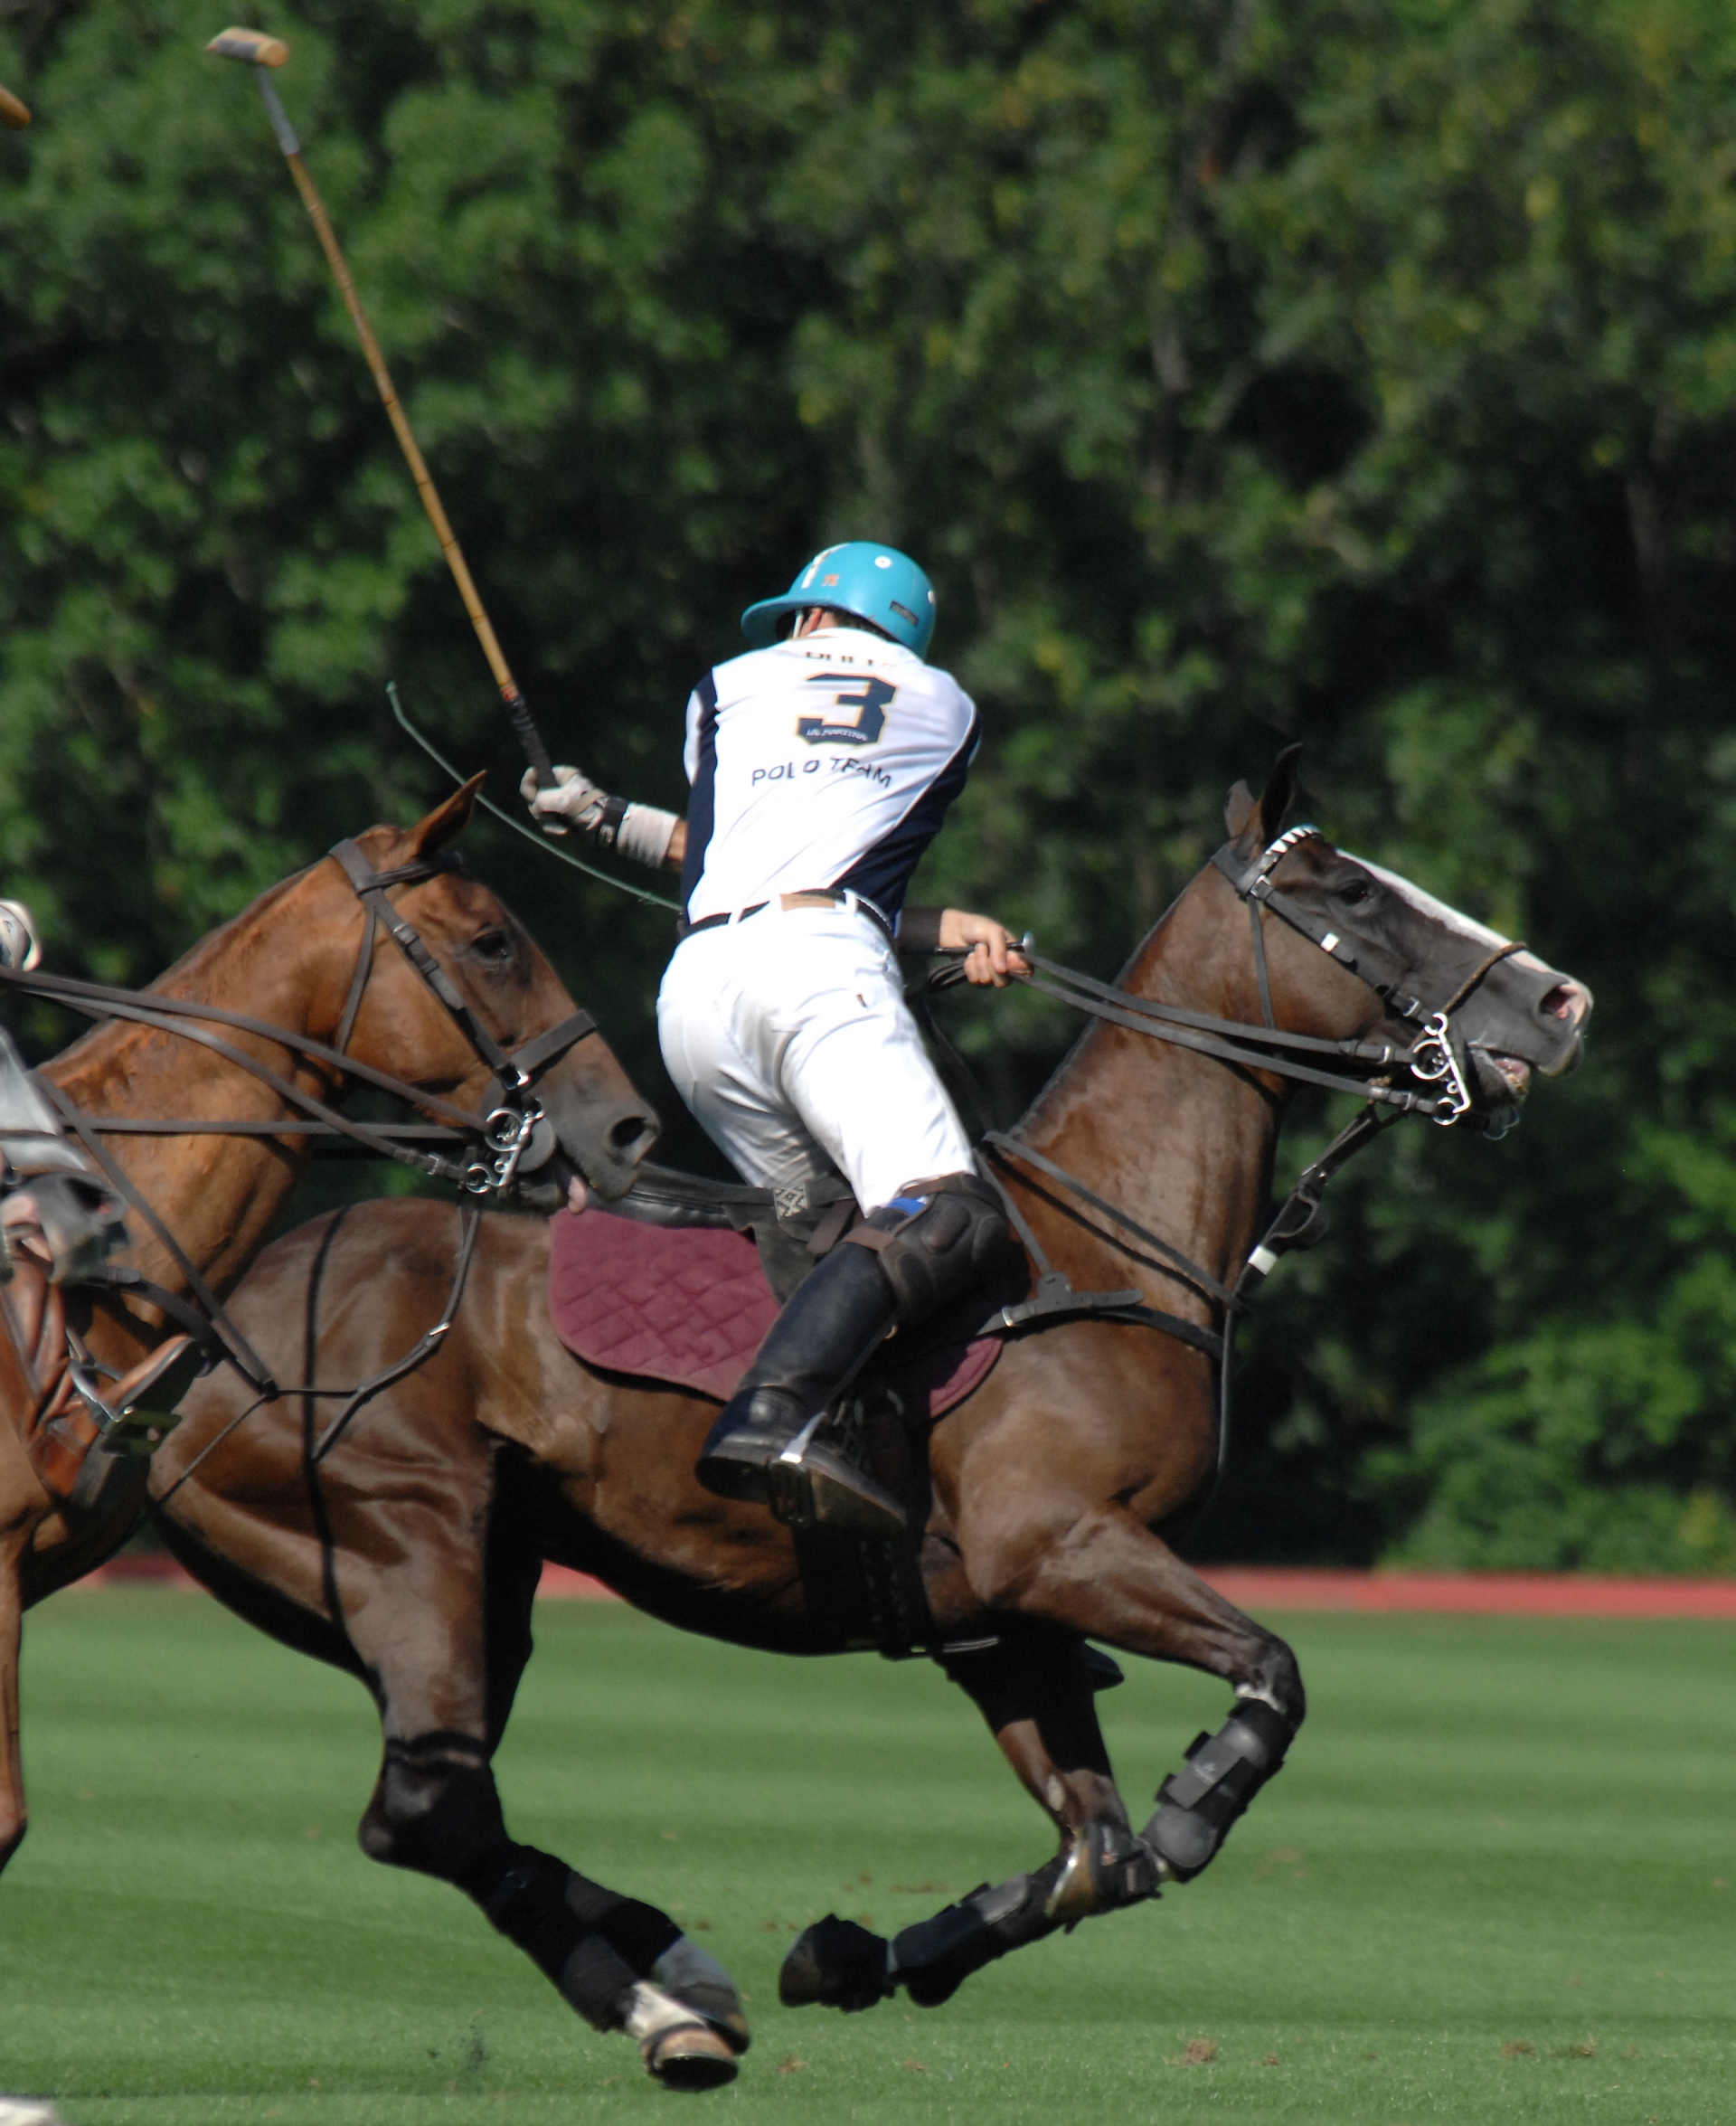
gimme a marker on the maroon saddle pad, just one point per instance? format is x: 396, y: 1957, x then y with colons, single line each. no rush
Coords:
x: 688, y: 1305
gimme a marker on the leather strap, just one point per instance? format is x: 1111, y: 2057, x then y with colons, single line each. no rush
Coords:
x: 370, y: 889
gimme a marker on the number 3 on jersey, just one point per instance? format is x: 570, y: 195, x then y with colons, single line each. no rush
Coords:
x: 869, y: 700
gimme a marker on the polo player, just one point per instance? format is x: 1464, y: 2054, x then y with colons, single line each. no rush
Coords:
x: 821, y: 763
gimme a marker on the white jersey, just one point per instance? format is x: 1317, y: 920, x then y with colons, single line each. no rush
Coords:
x: 827, y: 762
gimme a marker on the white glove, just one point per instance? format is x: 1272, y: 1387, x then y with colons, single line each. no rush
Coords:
x: 19, y: 944
x: 575, y: 800
x: 640, y: 831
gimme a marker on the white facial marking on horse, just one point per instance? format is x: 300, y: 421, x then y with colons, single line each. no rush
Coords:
x: 1452, y: 919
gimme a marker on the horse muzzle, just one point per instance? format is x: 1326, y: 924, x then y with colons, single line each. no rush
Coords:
x: 602, y: 1142
x: 1525, y: 1021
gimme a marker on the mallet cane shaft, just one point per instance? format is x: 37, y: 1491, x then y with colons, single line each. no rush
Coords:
x: 13, y: 112
x: 262, y: 51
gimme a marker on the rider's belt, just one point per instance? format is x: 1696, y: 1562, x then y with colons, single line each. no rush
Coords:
x: 809, y: 897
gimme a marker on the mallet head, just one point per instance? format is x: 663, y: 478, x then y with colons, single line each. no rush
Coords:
x: 253, y: 45
x: 12, y: 111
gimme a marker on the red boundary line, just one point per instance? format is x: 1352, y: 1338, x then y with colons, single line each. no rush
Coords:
x: 1266, y: 1587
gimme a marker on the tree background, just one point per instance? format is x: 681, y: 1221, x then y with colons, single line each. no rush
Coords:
x: 1242, y: 373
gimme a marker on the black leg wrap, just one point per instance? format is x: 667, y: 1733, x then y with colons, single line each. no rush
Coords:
x: 434, y: 1808
x: 934, y: 1957
x: 636, y: 1931
x: 526, y: 1894
x: 1197, y: 1805
x: 838, y: 1964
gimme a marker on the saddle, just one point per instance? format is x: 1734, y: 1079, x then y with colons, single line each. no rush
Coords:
x: 687, y: 1304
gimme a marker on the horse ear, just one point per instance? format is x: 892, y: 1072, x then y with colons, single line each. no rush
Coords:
x: 1238, y: 810
x: 1279, y: 795
x: 447, y: 822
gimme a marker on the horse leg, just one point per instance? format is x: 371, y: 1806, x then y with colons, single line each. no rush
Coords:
x: 1035, y: 1690
x: 620, y: 1963
x: 1104, y: 1573
x: 23, y: 1507
x: 13, y: 1816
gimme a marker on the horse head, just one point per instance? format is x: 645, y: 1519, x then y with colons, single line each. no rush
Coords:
x: 1361, y: 953
x: 399, y: 1019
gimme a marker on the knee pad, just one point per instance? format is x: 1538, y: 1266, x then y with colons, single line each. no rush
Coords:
x: 935, y: 1240
x: 1197, y: 1805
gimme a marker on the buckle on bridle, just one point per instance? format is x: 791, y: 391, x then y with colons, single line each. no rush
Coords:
x: 1434, y: 1061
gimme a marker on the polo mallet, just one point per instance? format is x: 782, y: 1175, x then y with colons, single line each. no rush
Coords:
x: 12, y: 111
x: 263, y: 52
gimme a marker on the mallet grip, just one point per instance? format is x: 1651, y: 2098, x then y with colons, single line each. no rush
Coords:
x: 529, y: 737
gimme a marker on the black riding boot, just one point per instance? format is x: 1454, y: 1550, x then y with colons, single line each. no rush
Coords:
x: 762, y: 1445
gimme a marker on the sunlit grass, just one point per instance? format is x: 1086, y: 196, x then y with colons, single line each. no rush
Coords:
x: 1495, y: 1883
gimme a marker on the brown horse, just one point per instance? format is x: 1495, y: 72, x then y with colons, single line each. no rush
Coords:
x: 295, y: 960
x: 411, y: 1556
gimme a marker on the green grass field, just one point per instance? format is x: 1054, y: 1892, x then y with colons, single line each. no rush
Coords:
x: 1493, y: 1884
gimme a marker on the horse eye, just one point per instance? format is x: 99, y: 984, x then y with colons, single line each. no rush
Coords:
x: 1358, y: 890
x: 493, y: 945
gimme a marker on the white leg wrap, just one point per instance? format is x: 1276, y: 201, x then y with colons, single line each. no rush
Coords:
x: 653, y: 2011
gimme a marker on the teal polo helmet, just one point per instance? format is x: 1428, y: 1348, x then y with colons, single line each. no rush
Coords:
x: 874, y: 583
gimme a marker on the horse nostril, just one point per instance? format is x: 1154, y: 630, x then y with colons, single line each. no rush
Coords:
x: 629, y: 1131
x: 1561, y: 1002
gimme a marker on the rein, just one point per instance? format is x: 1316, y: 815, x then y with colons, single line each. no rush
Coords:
x: 470, y: 1225
x: 501, y: 1136
x: 497, y: 1139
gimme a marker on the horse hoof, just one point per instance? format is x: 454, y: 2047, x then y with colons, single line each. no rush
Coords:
x: 835, y: 1964
x: 678, y: 2049
x: 692, y: 2055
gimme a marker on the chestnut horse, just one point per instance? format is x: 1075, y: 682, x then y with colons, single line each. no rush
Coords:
x: 293, y: 960
x: 411, y: 1558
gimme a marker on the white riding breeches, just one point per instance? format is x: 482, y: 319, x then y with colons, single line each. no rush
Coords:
x: 787, y: 1034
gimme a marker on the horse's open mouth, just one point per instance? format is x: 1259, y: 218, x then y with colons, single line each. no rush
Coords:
x: 1505, y: 1078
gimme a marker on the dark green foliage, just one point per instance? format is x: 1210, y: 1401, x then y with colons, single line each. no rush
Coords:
x: 1242, y: 372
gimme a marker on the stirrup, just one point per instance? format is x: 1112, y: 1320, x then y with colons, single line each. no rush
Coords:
x: 811, y: 1485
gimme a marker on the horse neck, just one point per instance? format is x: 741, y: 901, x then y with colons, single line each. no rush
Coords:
x: 219, y: 1195
x: 1180, y: 1142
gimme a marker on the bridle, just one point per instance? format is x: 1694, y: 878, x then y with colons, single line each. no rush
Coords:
x: 1432, y: 1058
x: 498, y: 1137
x: 1365, y: 1068
x: 493, y: 1143
x: 507, y: 1131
